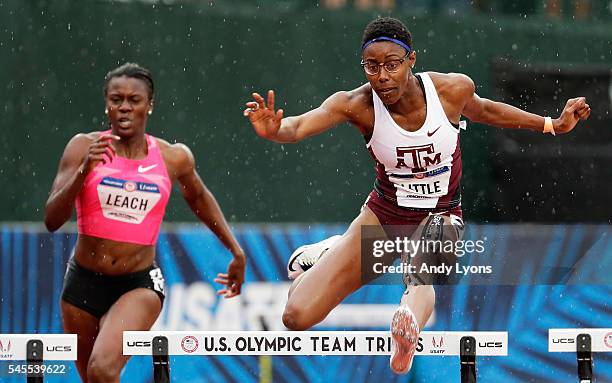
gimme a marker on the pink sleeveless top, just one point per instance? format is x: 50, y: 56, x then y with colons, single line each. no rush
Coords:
x: 125, y: 200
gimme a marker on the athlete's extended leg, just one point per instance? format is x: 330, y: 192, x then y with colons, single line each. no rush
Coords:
x: 135, y: 310
x: 418, y: 300
x: 85, y: 325
x: 336, y: 275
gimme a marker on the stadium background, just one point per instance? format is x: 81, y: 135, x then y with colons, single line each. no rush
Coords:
x: 207, y: 58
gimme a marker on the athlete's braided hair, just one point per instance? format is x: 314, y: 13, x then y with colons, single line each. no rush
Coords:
x: 130, y: 70
x: 388, y: 27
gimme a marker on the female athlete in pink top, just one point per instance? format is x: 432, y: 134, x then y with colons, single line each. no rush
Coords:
x: 120, y: 181
x: 125, y: 200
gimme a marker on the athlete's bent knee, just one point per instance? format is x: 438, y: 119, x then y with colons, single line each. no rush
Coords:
x: 296, y: 318
x: 101, y: 370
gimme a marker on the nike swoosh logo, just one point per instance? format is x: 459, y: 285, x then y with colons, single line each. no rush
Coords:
x: 429, y: 134
x: 145, y: 169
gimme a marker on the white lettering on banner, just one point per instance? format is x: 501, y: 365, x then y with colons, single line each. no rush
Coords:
x: 196, y: 307
x: 431, y: 343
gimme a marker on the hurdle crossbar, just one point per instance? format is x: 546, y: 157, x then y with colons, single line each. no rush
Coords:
x: 161, y: 344
x: 431, y: 343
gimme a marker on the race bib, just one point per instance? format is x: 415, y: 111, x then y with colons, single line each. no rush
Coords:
x: 421, y: 190
x: 127, y: 201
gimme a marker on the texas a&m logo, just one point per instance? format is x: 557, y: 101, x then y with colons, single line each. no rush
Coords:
x: 422, y: 157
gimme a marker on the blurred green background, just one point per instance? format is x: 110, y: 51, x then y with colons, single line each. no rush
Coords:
x: 207, y: 57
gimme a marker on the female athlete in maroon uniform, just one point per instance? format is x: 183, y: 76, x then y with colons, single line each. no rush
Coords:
x: 410, y: 123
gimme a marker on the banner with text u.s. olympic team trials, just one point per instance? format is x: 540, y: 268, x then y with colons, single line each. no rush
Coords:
x: 430, y: 343
x: 33, y: 262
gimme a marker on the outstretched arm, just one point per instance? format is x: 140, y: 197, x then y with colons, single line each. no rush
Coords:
x: 502, y: 115
x: 271, y: 125
x: 205, y: 206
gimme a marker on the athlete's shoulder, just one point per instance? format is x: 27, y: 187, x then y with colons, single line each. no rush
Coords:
x: 178, y: 156
x: 350, y: 98
x: 355, y: 104
x: 362, y: 96
x: 81, y: 141
x: 453, y: 85
x: 85, y: 137
x: 452, y: 80
x: 177, y: 150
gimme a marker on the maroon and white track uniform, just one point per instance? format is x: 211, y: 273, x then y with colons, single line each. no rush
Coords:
x: 416, y: 172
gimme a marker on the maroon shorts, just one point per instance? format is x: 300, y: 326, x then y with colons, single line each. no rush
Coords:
x: 390, y: 214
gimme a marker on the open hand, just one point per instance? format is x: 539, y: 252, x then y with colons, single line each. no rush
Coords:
x: 234, y: 278
x: 264, y: 119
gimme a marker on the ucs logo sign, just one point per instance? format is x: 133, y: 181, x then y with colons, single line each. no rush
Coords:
x: 139, y: 343
x: 490, y: 344
x: 564, y: 340
x: 58, y: 348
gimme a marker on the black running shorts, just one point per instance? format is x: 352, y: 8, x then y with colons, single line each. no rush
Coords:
x: 95, y: 293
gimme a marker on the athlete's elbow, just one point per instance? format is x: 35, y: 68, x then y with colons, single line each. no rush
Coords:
x: 52, y: 223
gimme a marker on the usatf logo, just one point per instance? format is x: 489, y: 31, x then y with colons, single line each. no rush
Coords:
x: 129, y: 186
x: 189, y: 343
x: 440, y: 342
x: 420, y: 156
x: 608, y: 340
x: 437, y: 345
x: 5, y: 349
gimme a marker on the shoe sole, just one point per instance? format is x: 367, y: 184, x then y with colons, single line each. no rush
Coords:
x: 404, y: 336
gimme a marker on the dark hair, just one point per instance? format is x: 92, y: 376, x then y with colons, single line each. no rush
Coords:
x: 387, y: 27
x: 130, y: 70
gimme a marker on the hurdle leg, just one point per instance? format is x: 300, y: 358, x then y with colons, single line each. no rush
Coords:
x: 161, y: 362
x: 467, y: 349
x: 584, y: 358
x: 34, y: 356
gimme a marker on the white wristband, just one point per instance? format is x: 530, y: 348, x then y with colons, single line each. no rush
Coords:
x: 548, y: 126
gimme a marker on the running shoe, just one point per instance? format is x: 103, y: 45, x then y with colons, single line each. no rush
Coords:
x: 304, y: 257
x: 404, y: 339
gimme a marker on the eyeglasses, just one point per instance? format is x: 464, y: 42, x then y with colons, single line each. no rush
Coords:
x: 372, y: 68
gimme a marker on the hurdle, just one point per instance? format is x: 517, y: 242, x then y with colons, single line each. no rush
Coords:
x: 161, y: 344
x: 582, y: 341
x: 34, y: 349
